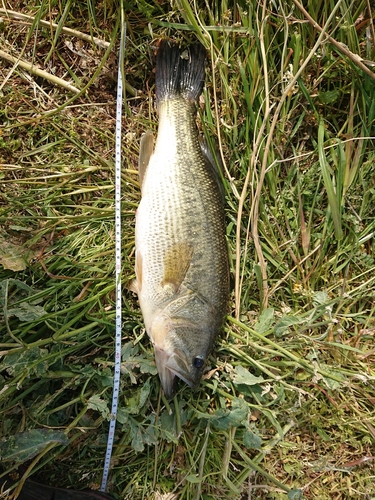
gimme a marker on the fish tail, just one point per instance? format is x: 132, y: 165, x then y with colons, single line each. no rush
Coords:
x: 179, y: 71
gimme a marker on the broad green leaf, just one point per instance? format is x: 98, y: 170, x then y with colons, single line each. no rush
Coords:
x: 14, y: 227
x: 168, y: 426
x: 194, y: 479
x: 331, y: 382
x: 105, y: 376
x: 226, y: 418
x: 284, y: 323
x: 322, y: 433
x: 265, y: 320
x: 122, y: 415
x: 128, y: 351
x: 27, y: 312
x: 14, y: 257
x: 329, y: 97
x: 146, y: 365
x: 14, y: 363
x: 136, y: 435
x: 141, y: 436
x: 149, y: 435
x: 252, y: 391
x: 26, y: 445
x: 289, y: 468
x: 136, y: 402
x: 106, y: 380
x: 18, y: 283
x: 295, y: 494
x: 243, y: 376
x: 131, y: 360
x: 98, y: 404
x: 252, y: 440
x: 320, y: 298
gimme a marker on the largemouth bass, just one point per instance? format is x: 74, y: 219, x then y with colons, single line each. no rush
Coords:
x: 182, y: 275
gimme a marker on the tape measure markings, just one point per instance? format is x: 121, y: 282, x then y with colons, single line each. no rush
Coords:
x: 118, y: 325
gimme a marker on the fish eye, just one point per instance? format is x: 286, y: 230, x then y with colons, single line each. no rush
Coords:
x: 198, y: 361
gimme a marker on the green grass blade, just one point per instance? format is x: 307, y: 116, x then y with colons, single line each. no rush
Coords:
x: 332, y: 191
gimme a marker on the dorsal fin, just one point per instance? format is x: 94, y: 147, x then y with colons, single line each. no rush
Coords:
x: 217, y: 168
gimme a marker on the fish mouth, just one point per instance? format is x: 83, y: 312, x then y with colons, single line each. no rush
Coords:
x: 173, y: 365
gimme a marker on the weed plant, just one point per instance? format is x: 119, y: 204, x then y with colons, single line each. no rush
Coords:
x: 285, y: 409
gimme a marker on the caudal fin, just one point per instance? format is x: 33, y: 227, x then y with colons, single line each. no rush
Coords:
x: 179, y: 71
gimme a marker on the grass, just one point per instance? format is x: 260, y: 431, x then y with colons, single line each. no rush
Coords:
x: 286, y: 407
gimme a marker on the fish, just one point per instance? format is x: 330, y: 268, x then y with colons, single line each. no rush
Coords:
x: 181, y: 253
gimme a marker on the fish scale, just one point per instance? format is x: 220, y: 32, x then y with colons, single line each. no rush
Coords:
x: 181, y: 252
x: 174, y: 211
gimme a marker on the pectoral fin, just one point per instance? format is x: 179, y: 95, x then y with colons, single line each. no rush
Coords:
x: 136, y: 286
x: 146, y: 149
x: 176, y: 264
x: 133, y: 286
